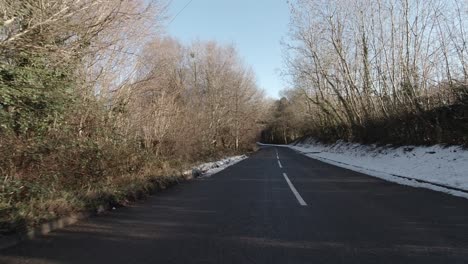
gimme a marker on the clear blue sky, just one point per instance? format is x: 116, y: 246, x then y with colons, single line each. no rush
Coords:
x: 255, y: 27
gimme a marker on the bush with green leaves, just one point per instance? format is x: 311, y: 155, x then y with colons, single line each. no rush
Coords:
x: 33, y: 93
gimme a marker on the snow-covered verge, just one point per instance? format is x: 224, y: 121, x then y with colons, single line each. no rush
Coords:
x: 210, y: 168
x: 436, y: 167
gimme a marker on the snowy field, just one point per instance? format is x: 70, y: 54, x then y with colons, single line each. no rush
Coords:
x: 436, y: 167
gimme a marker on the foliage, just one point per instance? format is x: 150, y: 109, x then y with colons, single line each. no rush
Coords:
x: 33, y: 94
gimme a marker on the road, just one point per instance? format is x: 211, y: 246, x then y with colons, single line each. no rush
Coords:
x: 253, y: 213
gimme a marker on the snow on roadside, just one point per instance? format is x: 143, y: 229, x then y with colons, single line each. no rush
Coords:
x: 440, y: 165
x: 210, y: 168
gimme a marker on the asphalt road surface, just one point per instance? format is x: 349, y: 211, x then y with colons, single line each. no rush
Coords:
x: 269, y: 208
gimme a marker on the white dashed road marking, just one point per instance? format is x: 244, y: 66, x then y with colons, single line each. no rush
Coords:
x: 293, y: 189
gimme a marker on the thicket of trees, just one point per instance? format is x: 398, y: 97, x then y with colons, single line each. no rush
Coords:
x: 95, y: 103
x: 195, y: 100
x: 385, y: 71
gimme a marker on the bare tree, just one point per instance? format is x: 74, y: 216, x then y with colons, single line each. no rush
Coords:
x: 362, y: 61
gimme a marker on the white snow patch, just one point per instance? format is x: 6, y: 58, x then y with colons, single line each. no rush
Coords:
x: 210, y: 168
x: 437, y: 164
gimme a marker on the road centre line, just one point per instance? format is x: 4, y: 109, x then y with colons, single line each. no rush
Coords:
x: 279, y: 163
x: 295, y: 192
